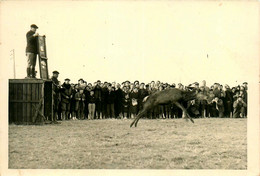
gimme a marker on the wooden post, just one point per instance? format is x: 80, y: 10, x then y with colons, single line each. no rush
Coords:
x: 13, y: 58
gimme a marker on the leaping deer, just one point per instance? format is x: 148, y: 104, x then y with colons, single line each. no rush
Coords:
x: 169, y: 96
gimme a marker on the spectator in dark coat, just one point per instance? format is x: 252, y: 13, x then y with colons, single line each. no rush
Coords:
x: 80, y: 98
x: 98, y: 97
x: 66, y: 96
x: 73, y: 110
x: 118, y: 100
x: 103, y: 100
x: 56, y: 94
x: 219, y: 106
x: 110, y: 101
x: 86, y: 92
x: 212, y: 105
x: 228, y: 101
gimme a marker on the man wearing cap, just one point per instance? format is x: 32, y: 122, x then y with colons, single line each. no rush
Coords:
x: 98, y: 97
x: 66, y: 96
x: 31, y: 51
x: 245, y: 85
x: 56, y: 93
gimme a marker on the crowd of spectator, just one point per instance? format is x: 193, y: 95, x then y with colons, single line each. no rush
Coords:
x: 103, y: 100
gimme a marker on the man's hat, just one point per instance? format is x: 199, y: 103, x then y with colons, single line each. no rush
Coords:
x: 67, y: 79
x: 245, y: 83
x: 80, y: 79
x: 196, y: 83
x: 55, y: 72
x: 34, y: 26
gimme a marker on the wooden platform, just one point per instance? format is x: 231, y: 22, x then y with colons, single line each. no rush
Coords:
x: 25, y: 95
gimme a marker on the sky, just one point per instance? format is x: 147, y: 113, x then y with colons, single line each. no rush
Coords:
x: 170, y: 41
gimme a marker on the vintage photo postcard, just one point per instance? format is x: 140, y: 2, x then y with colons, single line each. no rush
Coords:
x: 129, y: 87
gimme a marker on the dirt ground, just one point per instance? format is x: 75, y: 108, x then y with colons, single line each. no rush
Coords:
x: 111, y: 144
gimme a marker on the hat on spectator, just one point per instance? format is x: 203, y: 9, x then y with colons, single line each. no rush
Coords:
x: 80, y: 79
x: 98, y: 81
x: 55, y: 72
x: 245, y: 83
x: 67, y: 79
x: 127, y: 81
x: 196, y: 83
x: 34, y: 26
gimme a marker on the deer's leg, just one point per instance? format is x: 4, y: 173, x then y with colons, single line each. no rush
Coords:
x: 184, y: 111
x: 135, y: 121
x: 139, y: 116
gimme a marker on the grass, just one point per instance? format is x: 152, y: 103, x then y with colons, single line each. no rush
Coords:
x: 111, y: 144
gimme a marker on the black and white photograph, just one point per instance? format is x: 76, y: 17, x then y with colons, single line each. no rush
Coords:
x: 129, y: 87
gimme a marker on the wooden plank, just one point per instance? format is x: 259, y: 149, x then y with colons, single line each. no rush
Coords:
x: 18, y: 110
x: 26, y: 81
x: 20, y: 91
x: 24, y: 101
x: 29, y: 98
x: 24, y: 104
x: 14, y: 112
x: 15, y: 104
x: 34, y: 92
x: 10, y: 113
x: 42, y: 97
x: 11, y: 92
x: 10, y: 105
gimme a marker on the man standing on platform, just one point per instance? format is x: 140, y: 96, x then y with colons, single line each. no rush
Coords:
x: 31, y: 51
x: 56, y: 94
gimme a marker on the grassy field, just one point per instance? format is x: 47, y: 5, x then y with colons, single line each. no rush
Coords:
x: 110, y: 144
